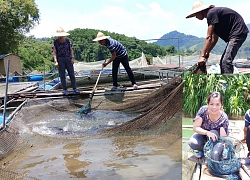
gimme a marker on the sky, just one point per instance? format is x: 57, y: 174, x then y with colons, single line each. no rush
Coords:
x: 143, y: 19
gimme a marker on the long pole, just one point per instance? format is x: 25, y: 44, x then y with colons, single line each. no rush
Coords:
x: 179, y: 52
x: 44, y: 76
x: 6, y: 92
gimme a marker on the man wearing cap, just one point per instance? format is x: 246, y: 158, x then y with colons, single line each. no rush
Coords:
x: 119, y: 55
x: 226, y: 24
x: 64, y: 59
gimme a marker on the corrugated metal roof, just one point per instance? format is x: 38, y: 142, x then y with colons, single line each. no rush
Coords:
x: 4, y: 55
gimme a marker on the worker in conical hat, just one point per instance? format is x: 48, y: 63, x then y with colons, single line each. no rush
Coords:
x: 119, y: 55
x: 223, y: 23
x: 64, y: 59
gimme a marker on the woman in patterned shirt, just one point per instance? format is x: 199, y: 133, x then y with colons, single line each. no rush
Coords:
x: 64, y: 59
x: 210, y: 123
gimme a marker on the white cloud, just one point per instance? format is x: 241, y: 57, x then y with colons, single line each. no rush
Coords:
x: 158, y: 12
x: 243, y: 10
x: 151, y: 23
x: 118, y: 21
x: 140, y: 6
x: 142, y: 20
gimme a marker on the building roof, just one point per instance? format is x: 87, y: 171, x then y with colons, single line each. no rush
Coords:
x: 4, y: 55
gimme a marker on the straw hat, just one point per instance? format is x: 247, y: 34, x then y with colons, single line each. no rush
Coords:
x: 198, y: 7
x: 100, y: 36
x: 60, y: 32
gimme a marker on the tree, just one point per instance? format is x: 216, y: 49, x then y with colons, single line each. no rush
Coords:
x: 35, y: 53
x: 170, y: 49
x: 17, y: 17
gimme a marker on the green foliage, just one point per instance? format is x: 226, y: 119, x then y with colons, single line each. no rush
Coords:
x: 89, y: 51
x: 17, y: 18
x: 234, y: 88
x: 237, y: 90
x: 36, y: 52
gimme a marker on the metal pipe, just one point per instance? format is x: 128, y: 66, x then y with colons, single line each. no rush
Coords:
x: 44, y: 76
x: 6, y: 91
x: 17, y: 109
x: 179, y: 52
x: 7, y: 103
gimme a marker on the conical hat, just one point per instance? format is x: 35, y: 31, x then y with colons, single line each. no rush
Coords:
x: 197, y: 7
x: 100, y: 36
x: 60, y: 32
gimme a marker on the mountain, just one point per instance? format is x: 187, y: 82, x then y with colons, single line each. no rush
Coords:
x: 185, y: 41
x: 193, y: 43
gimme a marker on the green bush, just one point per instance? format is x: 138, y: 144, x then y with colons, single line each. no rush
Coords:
x: 234, y: 88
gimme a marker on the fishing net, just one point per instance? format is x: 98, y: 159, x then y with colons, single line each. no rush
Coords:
x: 9, y: 140
x: 14, y: 142
x: 158, y: 107
x: 159, y: 117
x: 228, y: 164
x: 6, y: 136
x: 151, y: 100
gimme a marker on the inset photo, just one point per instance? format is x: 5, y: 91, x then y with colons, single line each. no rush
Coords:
x: 215, y: 127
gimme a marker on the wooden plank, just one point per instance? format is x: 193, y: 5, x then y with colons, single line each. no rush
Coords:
x: 244, y: 172
x: 206, y: 175
x: 15, y: 87
x: 27, y: 91
x: 197, y: 172
x: 188, y: 167
x: 187, y: 126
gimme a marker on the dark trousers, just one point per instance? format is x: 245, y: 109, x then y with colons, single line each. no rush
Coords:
x: 197, y: 141
x: 248, y: 138
x: 65, y: 63
x: 125, y: 63
x: 226, y: 61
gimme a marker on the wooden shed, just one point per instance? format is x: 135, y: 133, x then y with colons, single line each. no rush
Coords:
x: 15, y: 63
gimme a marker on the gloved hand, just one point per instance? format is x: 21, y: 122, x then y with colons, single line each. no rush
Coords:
x: 202, y: 61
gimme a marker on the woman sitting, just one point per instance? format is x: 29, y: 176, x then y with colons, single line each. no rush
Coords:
x: 210, y: 123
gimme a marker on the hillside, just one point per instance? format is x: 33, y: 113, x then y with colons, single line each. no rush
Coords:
x: 193, y: 43
x: 248, y: 26
x: 185, y: 41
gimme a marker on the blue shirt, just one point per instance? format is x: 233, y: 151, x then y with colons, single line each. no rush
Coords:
x: 247, y: 118
x: 62, y: 49
x: 117, y: 47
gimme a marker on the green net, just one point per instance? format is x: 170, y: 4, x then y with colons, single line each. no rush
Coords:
x: 228, y: 164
